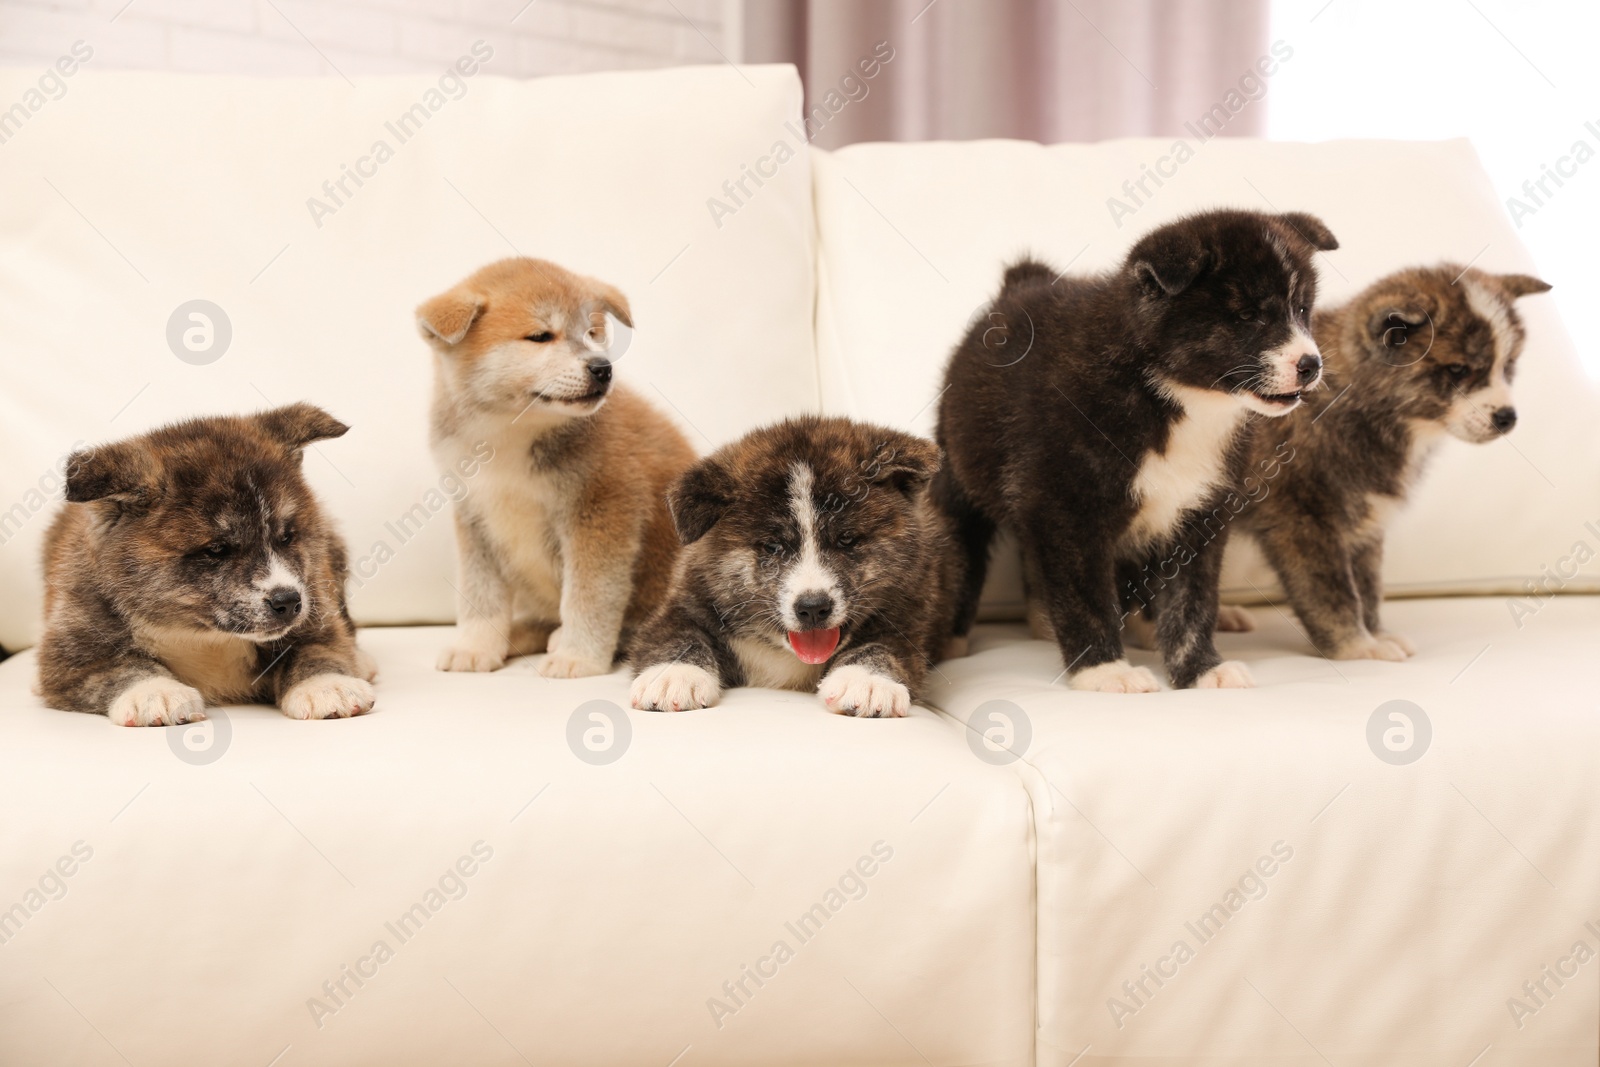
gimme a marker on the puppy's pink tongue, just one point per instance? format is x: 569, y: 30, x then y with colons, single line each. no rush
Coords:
x: 814, y: 646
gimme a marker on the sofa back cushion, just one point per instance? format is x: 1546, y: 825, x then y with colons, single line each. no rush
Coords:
x: 316, y: 215
x: 912, y: 239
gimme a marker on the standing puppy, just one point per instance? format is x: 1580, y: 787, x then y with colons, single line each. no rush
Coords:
x: 1417, y: 355
x: 192, y: 566
x: 814, y: 560
x: 568, y: 518
x: 1113, y: 438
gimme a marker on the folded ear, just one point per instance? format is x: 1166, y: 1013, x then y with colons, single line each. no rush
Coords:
x: 903, y: 461
x: 121, y: 472
x: 698, y: 500
x: 300, y: 424
x: 448, y: 316
x: 1168, y: 260
x: 610, y: 298
x: 1517, y: 285
x: 1312, y: 230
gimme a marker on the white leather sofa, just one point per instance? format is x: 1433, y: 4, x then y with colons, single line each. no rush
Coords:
x: 502, y: 869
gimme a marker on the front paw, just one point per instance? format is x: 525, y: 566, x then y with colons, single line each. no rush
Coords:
x: 566, y: 665
x: 1117, y: 676
x: 1404, y: 644
x: 328, y: 696
x: 467, y: 658
x: 1232, y: 619
x: 673, y: 687
x: 1229, y: 674
x: 1366, y: 646
x: 855, y: 690
x: 157, y: 702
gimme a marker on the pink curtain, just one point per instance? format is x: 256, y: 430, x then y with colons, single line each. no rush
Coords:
x: 1044, y: 70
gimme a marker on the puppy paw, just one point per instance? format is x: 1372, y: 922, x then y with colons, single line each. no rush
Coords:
x: 855, y: 690
x: 1232, y: 619
x: 562, y: 665
x: 1404, y: 644
x: 328, y: 696
x: 1118, y: 676
x: 366, y: 665
x: 1367, y: 646
x: 465, y: 658
x: 956, y: 647
x: 1229, y: 674
x: 673, y: 687
x: 157, y: 702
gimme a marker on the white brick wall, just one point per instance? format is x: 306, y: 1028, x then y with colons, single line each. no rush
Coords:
x: 356, y: 37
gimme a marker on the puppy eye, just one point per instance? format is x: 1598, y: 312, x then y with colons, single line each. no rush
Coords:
x: 845, y: 540
x: 540, y: 338
x: 1247, y: 316
x: 1457, y: 370
x: 287, y: 537
x: 217, y: 550
x: 1304, y: 311
x: 770, y: 548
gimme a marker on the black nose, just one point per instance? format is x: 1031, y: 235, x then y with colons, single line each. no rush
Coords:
x: 1504, y: 419
x: 284, y: 602
x: 1309, y: 367
x: 600, y: 371
x: 813, y: 610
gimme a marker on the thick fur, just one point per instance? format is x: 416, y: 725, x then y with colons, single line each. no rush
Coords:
x: 809, y: 507
x: 1417, y: 355
x: 564, y: 537
x: 1105, y: 421
x: 159, y: 567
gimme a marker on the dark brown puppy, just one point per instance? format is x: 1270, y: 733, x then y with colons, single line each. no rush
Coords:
x: 1417, y: 355
x: 814, y: 559
x: 190, y: 566
x: 1104, y: 420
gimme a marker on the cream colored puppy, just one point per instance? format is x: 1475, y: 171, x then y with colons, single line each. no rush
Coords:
x: 565, y: 527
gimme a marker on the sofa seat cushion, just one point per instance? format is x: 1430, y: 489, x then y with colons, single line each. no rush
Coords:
x: 1348, y: 887
x: 533, y: 905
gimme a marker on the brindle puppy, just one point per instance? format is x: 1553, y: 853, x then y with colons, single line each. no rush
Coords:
x: 814, y: 559
x: 190, y: 566
x: 1418, y: 354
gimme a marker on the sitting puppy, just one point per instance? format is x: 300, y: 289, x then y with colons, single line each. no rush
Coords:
x: 1115, y: 437
x: 192, y: 566
x: 1421, y: 353
x: 815, y: 560
x: 569, y: 513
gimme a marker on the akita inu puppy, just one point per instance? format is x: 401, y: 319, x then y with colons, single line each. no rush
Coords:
x: 1417, y: 355
x: 814, y: 560
x: 190, y: 566
x: 568, y: 520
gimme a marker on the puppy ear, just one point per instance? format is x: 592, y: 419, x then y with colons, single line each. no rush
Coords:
x: 122, y: 473
x: 1168, y: 260
x: 904, y: 461
x: 1312, y: 230
x: 697, y: 501
x: 448, y: 316
x: 1517, y: 285
x: 300, y: 424
x: 1392, y: 325
x: 610, y: 298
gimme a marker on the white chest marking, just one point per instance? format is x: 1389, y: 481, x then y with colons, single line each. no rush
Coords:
x: 221, y: 666
x: 774, y: 668
x: 1173, y: 481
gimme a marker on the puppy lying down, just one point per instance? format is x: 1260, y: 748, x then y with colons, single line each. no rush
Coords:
x: 192, y: 565
x: 813, y: 559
